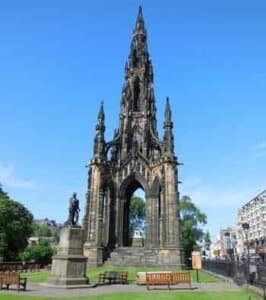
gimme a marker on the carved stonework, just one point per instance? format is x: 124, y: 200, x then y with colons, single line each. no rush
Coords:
x: 135, y: 158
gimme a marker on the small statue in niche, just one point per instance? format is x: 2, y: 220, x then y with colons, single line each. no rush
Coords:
x: 73, y: 210
x: 136, y: 100
x: 135, y: 144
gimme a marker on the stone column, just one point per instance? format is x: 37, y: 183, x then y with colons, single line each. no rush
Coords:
x: 149, y: 230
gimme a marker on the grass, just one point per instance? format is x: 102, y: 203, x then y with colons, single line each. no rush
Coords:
x: 93, y: 272
x: 152, y: 295
x: 37, y: 276
x: 155, y: 295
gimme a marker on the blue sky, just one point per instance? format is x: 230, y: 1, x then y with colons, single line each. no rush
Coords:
x: 59, y: 59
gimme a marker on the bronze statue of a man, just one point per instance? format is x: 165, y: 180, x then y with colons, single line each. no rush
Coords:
x: 73, y: 210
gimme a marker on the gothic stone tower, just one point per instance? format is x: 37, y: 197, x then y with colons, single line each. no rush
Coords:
x: 134, y: 158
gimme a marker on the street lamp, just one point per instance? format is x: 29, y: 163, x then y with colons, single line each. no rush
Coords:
x: 228, y: 245
x: 245, y: 227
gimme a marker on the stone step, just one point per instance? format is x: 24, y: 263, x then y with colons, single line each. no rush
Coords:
x: 130, y: 256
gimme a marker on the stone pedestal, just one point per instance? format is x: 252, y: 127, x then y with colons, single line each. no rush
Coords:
x: 137, y: 239
x: 69, y: 265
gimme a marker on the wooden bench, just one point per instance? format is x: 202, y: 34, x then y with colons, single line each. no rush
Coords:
x: 158, y: 278
x: 113, y: 277
x: 167, y: 278
x: 122, y: 277
x: 12, y: 278
x: 181, y: 277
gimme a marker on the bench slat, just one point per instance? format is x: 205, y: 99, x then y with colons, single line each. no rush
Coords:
x: 167, y: 278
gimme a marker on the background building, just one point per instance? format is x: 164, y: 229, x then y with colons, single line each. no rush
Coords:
x: 225, y: 244
x: 253, y: 213
x: 228, y: 242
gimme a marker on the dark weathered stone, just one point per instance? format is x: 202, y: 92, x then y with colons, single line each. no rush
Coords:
x: 134, y: 158
x: 74, y: 210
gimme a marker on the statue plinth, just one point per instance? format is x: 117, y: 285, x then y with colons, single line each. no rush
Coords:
x: 137, y: 239
x: 69, y: 265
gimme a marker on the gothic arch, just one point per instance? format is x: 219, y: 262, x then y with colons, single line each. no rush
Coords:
x: 132, y: 182
x: 127, y: 188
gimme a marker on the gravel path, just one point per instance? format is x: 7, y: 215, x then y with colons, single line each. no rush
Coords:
x: 34, y: 289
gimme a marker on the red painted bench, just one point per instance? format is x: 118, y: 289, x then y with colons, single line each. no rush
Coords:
x: 158, y: 279
x: 181, y: 277
x: 167, y: 278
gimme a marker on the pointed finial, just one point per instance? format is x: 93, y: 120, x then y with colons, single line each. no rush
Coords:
x: 139, y: 28
x: 168, y: 112
x: 101, y: 112
x: 140, y: 17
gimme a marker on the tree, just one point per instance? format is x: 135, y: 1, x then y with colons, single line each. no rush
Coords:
x: 15, y: 227
x: 39, y: 253
x: 136, y: 213
x: 41, y: 230
x: 191, y: 218
x: 207, y: 240
x: 2, y: 193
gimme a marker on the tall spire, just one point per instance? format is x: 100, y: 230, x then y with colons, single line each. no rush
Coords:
x: 137, y: 91
x: 138, y: 109
x: 101, y: 115
x: 168, y: 128
x: 99, y: 142
x: 168, y: 112
x: 139, y: 51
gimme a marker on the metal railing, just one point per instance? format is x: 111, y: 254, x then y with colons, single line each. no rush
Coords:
x: 241, y: 272
x: 22, y: 266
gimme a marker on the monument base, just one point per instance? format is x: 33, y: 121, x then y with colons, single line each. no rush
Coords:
x: 163, y: 258
x: 137, y: 242
x: 69, y: 266
x: 94, y: 255
x: 170, y: 258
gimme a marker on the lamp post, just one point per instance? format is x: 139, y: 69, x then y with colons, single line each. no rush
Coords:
x: 228, y: 245
x: 245, y: 227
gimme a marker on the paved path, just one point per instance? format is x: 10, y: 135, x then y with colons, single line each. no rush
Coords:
x: 34, y: 289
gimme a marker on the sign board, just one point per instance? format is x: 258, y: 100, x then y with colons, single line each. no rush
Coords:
x: 196, y: 260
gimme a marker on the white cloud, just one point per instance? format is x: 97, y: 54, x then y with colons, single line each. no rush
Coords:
x: 8, y: 178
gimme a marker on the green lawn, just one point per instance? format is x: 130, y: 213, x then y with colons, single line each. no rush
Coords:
x: 241, y: 295
x: 36, y: 276
x: 93, y: 274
